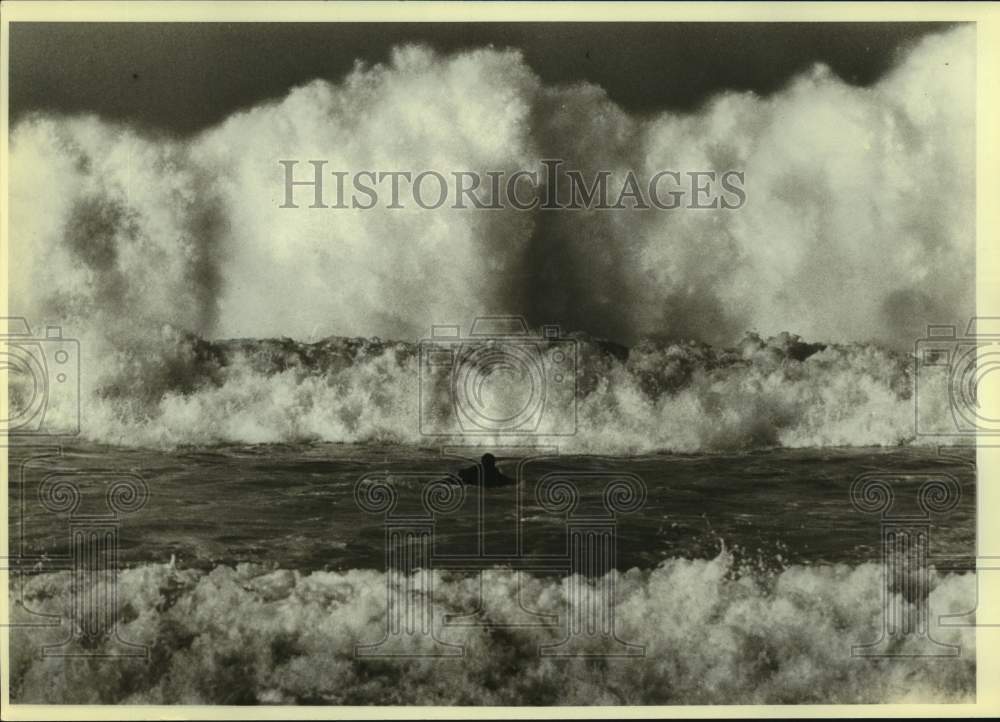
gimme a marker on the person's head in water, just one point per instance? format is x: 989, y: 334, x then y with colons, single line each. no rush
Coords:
x: 488, y: 461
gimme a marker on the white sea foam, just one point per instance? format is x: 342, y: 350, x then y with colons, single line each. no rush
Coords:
x: 711, y: 635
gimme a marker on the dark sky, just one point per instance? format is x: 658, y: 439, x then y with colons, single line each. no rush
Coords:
x: 181, y: 77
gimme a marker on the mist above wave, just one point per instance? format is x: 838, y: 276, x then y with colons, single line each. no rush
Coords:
x: 859, y: 221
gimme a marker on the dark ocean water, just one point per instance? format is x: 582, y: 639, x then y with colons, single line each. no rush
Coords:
x: 294, y: 506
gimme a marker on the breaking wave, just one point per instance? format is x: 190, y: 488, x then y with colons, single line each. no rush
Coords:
x: 151, y: 249
x: 711, y: 635
x: 177, y: 389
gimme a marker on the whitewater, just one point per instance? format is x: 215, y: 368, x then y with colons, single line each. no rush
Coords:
x: 177, y: 389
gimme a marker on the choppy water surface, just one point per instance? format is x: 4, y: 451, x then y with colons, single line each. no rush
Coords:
x: 294, y: 506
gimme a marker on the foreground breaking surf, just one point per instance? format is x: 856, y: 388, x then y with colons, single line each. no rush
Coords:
x: 712, y: 632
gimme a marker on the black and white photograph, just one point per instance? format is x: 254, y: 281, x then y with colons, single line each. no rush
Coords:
x: 493, y: 363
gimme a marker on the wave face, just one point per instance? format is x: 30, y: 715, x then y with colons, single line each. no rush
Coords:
x: 780, y: 392
x: 713, y: 634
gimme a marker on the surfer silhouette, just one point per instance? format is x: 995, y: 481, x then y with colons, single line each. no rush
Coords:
x: 485, y: 473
